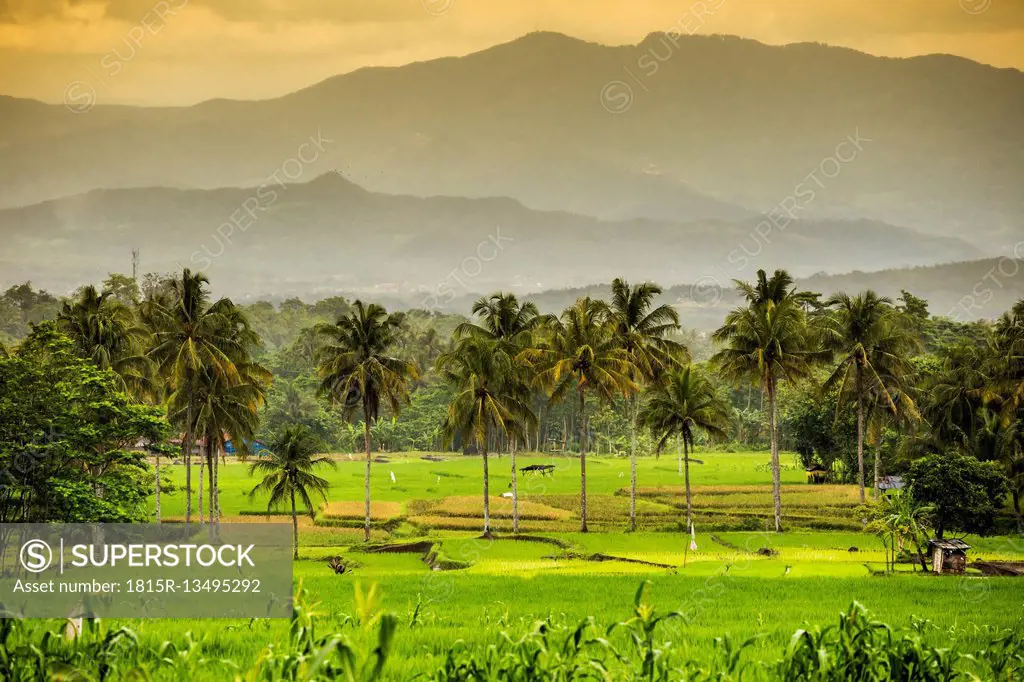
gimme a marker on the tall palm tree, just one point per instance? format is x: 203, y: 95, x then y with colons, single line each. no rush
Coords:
x: 503, y: 318
x: 288, y: 473
x: 192, y: 337
x: 682, y: 402
x: 953, y: 396
x: 874, y: 351
x: 582, y: 355
x: 890, y: 401
x: 224, y: 408
x: 490, y: 397
x: 512, y: 326
x: 107, y: 332
x: 642, y: 331
x: 357, y: 371
x: 768, y: 341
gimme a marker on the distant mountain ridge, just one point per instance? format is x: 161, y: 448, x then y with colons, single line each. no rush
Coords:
x: 531, y: 120
x: 331, y: 235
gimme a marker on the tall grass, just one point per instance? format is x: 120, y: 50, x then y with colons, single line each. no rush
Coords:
x: 362, y: 647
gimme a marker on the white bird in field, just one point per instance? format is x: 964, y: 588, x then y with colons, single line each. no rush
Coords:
x: 439, y: 479
x: 393, y: 477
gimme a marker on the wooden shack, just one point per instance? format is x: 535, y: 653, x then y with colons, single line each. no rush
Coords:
x: 818, y: 474
x: 948, y: 556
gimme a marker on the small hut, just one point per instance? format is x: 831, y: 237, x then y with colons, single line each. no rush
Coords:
x: 818, y: 474
x: 948, y: 556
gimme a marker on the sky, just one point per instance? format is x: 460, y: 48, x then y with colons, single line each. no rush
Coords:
x: 179, y: 52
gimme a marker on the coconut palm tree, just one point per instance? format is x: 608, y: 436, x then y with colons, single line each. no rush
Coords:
x: 581, y: 355
x: 193, y: 337
x: 512, y: 326
x: 642, y: 331
x: 225, y: 408
x: 681, y: 403
x: 107, y: 332
x: 503, y: 318
x: 358, y: 372
x: 768, y: 341
x: 491, y: 397
x: 874, y: 351
x: 890, y: 402
x: 288, y: 473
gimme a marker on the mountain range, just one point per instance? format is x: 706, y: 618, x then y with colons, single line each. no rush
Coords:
x: 546, y: 162
x: 331, y: 235
x: 673, y: 128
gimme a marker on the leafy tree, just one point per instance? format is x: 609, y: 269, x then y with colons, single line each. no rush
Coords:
x: 965, y: 493
x: 68, y: 437
x: 358, y: 372
x: 901, y: 519
x: 866, y: 333
x: 681, y: 402
x: 193, y: 339
x: 288, y: 472
x: 511, y: 327
x: 123, y: 288
x: 108, y: 333
x: 642, y: 330
x: 768, y: 341
x: 490, y: 397
x: 582, y: 355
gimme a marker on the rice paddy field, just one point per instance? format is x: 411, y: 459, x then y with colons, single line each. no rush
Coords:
x: 449, y: 586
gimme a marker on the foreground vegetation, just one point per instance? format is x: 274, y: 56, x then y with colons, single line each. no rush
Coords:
x: 437, y: 642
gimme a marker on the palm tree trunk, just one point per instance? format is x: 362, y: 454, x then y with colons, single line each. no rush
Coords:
x: 158, y: 487
x: 776, y: 468
x: 689, y: 496
x: 515, y: 493
x: 487, y: 494
x: 583, y: 464
x: 210, y: 465
x: 187, y: 447
x: 860, y: 434
x: 366, y: 480
x: 878, y: 463
x: 632, y: 463
x: 1016, y: 508
x: 295, y: 527
x: 202, y: 471
x: 215, y: 486
x: 679, y: 455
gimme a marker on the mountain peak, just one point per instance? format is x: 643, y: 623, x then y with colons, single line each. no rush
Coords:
x: 333, y: 182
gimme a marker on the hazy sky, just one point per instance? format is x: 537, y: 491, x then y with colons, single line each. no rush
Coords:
x: 184, y: 51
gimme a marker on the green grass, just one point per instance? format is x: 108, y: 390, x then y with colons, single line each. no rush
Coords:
x: 474, y: 607
x: 726, y: 585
